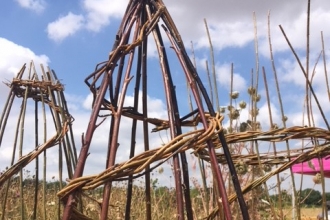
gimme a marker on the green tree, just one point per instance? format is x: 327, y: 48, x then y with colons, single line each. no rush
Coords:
x: 327, y: 195
x: 310, y: 197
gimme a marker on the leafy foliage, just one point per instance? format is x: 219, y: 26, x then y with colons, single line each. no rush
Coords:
x: 310, y: 197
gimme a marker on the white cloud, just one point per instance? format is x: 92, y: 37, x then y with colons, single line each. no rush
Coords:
x: 291, y: 72
x: 75, y: 101
x: 65, y: 26
x: 263, y: 116
x: 223, y: 78
x: 291, y: 76
x: 34, y: 5
x: 298, y: 119
x: 87, y: 103
x: 226, y: 35
x: 231, y: 24
x: 12, y: 57
x: 295, y: 29
x: 100, y: 12
x: 97, y: 14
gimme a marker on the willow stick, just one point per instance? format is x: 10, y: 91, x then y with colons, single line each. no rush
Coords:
x: 36, y: 134
x: 230, y: 97
x: 171, y: 108
x: 310, y: 100
x: 146, y: 15
x: 320, y: 160
x: 325, y: 66
x: 8, y: 104
x: 328, y: 91
x: 114, y: 140
x: 20, y: 154
x: 304, y: 72
x: 274, y: 147
x: 201, y: 163
x: 3, y: 121
x: 44, y: 184
x: 215, y: 166
x: 129, y: 191
x: 254, y: 144
x: 213, y: 69
x: 307, y: 61
x: 209, y: 81
x: 271, y: 122
x: 296, y: 209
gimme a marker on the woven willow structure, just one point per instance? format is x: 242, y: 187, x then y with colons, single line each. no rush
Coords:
x: 40, y: 128
x: 127, y: 65
x: 128, y: 62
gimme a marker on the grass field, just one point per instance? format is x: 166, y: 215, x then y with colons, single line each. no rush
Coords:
x: 163, y: 204
x: 306, y: 213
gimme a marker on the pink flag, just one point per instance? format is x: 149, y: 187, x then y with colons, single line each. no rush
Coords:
x: 312, y: 167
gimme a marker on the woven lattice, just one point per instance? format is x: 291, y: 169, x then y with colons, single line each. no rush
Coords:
x: 128, y: 61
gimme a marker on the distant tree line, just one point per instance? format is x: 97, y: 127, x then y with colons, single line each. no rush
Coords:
x: 308, y: 197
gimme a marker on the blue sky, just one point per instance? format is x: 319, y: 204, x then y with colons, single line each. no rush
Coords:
x: 73, y: 36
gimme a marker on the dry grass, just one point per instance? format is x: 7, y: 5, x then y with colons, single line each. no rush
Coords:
x: 306, y: 213
x: 163, y: 202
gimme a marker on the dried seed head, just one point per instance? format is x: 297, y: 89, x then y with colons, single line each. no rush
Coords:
x: 160, y: 170
x: 267, y: 168
x: 243, y: 127
x: 230, y: 130
x: 317, y: 179
x: 275, y: 126
x: 222, y: 109
x: 241, y: 168
x: 254, y: 112
x: 231, y: 149
x: 230, y: 107
x: 251, y: 90
x: 234, y: 95
x: 258, y: 126
x: 233, y: 114
x: 256, y: 97
x: 285, y: 118
x: 242, y: 104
